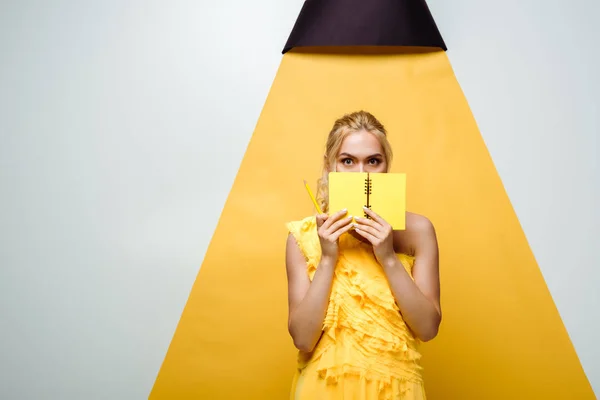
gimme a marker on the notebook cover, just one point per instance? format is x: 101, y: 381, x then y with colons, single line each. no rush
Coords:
x: 387, y: 197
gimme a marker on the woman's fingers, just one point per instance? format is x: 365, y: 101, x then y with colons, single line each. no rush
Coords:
x: 329, y: 224
x: 375, y: 217
x: 334, y: 217
x: 367, y: 235
x: 339, y: 224
x: 321, y: 218
x: 367, y: 227
x: 374, y: 227
x: 370, y: 222
x: 336, y: 235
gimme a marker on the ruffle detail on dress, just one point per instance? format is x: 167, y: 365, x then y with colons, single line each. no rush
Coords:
x: 362, y: 324
x: 305, y: 233
x: 364, y: 334
x: 388, y: 387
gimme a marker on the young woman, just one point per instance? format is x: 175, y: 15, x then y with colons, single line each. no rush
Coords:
x: 361, y: 296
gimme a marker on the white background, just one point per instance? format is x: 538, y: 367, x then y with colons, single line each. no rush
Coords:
x: 117, y: 117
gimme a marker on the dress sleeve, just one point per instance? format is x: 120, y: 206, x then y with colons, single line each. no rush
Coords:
x: 305, y: 233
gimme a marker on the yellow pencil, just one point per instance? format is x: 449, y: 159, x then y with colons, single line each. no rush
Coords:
x: 312, y: 198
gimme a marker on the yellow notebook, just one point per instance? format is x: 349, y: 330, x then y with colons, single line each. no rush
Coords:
x: 384, y: 193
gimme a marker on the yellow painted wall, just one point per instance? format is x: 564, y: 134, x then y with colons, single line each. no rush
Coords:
x: 501, y: 337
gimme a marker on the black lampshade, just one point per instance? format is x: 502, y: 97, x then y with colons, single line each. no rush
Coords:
x: 365, y: 23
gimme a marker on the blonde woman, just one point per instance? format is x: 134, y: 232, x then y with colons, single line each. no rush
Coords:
x: 361, y: 296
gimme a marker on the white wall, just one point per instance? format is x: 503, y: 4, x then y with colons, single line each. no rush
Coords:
x: 115, y: 116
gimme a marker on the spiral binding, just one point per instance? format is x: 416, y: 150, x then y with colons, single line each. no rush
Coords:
x: 368, y: 189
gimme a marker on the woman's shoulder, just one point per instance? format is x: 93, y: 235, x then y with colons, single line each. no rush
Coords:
x: 418, y: 227
x: 417, y: 223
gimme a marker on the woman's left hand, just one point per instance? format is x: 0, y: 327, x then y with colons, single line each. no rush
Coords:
x: 379, y: 233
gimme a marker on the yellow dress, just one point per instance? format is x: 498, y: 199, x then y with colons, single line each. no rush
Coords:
x: 367, y: 351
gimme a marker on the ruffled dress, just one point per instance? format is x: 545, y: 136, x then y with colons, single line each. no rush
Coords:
x: 366, y: 351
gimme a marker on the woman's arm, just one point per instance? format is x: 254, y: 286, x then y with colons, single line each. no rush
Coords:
x: 418, y: 300
x: 307, y: 301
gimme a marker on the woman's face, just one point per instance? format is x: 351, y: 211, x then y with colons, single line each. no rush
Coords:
x: 361, y: 152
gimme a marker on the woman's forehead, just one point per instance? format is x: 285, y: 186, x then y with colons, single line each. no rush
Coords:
x: 360, y: 143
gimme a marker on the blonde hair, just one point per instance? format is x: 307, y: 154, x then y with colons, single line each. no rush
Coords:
x: 349, y: 123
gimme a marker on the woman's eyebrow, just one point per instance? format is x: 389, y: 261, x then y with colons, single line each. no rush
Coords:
x: 350, y: 155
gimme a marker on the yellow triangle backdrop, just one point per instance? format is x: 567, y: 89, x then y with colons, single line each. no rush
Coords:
x: 501, y: 337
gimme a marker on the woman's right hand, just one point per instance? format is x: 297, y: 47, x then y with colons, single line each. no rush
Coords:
x: 330, y: 228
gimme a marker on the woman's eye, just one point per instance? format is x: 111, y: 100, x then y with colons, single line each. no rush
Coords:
x: 374, y: 161
x: 346, y: 161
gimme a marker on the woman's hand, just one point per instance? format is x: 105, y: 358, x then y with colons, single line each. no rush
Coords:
x: 330, y: 228
x: 380, y: 234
